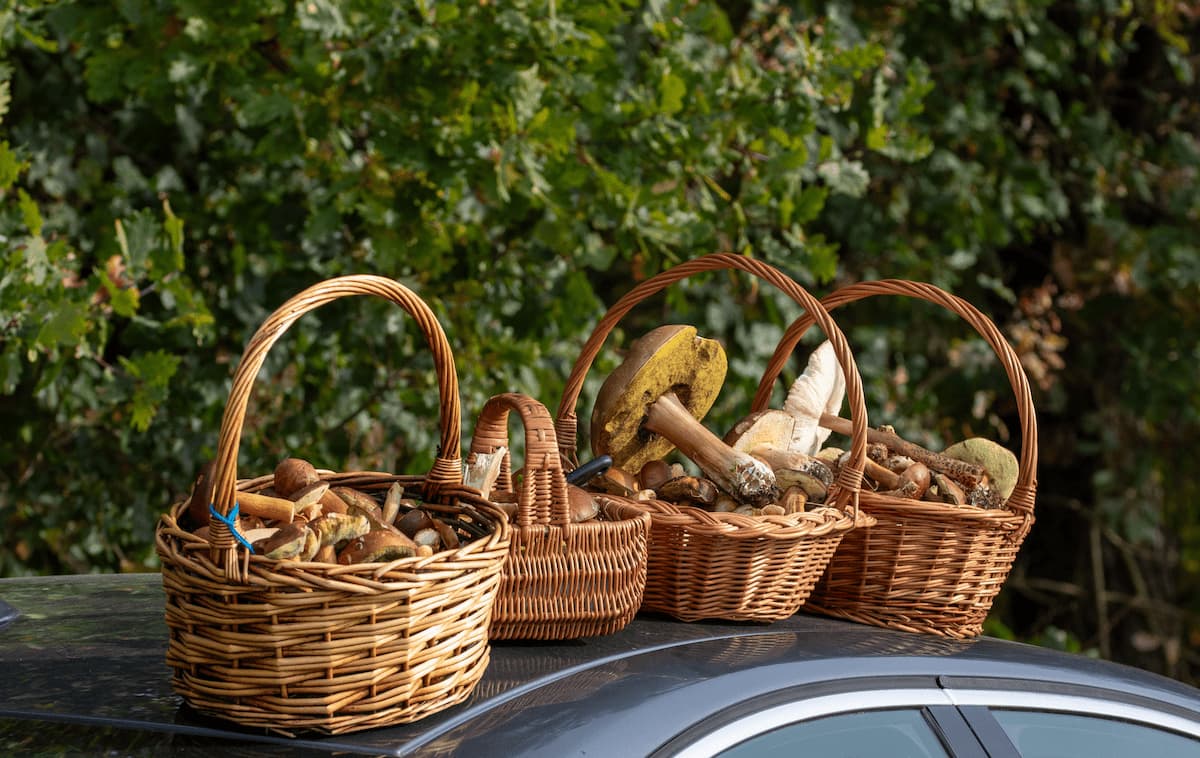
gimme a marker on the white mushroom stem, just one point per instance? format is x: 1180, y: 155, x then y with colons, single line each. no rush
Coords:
x: 745, y: 477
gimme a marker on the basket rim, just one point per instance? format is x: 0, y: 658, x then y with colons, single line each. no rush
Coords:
x: 498, y: 537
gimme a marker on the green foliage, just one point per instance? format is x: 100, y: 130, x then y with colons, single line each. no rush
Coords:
x: 171, y: 172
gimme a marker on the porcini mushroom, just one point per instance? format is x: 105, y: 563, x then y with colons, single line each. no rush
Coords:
x: 286, y: 542
x: 689, y: 489
x: 293, y: 475
x: 666, y: 359
x: 653, y: 402
x: 582, y: 505
x: 378, y: 546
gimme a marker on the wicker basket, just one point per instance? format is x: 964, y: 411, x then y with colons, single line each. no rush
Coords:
x: 562, y: 580
x: 293, y: 646
x: 925, y: 567
x: 725, y: 565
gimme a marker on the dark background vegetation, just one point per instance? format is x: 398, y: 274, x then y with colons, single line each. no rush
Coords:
x: 172, y: 171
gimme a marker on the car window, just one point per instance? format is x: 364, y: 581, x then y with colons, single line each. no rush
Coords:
x: 1042, y: 734
x: 898, y: 733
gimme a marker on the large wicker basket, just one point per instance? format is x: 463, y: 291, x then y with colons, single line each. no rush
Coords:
x: 925, y: 567
x: 562, y: 579
x: 293, y: 646
x: 726, y: 565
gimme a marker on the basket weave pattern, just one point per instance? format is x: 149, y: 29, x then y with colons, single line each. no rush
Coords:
x: 294, y: 646
x: 925, y: 567
x: 562, y: 579
x: 726, y: 565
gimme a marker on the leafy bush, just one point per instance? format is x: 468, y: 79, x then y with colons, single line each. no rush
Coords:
x: 171, y: 172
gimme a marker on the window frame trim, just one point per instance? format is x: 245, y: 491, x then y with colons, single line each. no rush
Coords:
x: 1075, y: 705
x: 774, y: 717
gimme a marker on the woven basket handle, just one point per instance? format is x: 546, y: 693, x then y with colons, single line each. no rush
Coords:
x: 1022, y: 498
x: 446, y: 468
x: 850, y: 475
x: 542, y: 493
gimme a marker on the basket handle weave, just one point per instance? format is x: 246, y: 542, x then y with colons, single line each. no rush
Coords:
x: 849, y: 476
x: 446, y: 470
x: 542, y: 495
x: 1022, y: 498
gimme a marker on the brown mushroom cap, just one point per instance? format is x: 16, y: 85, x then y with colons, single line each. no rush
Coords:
x: 379, y: 546
x: 293, y: 475
x: 582, y: 505
x: 668, y: 359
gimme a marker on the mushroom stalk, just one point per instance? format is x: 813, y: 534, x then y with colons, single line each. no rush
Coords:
x: 746, y: 478
x: 967, y: 473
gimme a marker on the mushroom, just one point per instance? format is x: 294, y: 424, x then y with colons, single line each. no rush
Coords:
x: 881, y: 475
x: 665, y: 359
x: 450, y: 540
x: 265, y: 506
x: 360, y: 502
x: 787, y: 439
x: 286, y: 542
x: 917, y: 474
x: 653, y: 402
x: 654, y: 473
x: 797, y: 470
x: 911, y: 483
x: 582, y: 505
x: 998, y: 461
x: 794, y: 500
x: 339, y: 528
x: 428, y: 537
x: 481, y: 470
x: 615, y: 481
x: 985, y: 496
x: 392, y: 502
x: 378, y: 546
x: 688, y: 488
x: 819, y: 390
x: 414, y: 521
x: 948, y: 490
x: 308, y: 495
x: 293, y: 475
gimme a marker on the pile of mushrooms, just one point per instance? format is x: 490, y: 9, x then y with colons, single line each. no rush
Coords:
x: 303, y: 518
x: 773, y: 461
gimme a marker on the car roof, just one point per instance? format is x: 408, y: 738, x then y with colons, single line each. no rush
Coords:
x: 91, y: 650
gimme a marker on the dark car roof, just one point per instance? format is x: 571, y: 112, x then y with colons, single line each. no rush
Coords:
x: 90, y: 649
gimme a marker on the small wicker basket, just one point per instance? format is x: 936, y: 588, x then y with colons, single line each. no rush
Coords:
x: 562, y: 579
x: 293, y: 646
x: 925, y: 567
x: 726, y: 565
